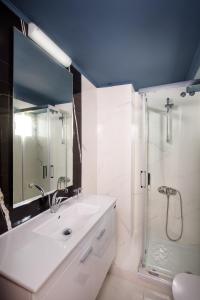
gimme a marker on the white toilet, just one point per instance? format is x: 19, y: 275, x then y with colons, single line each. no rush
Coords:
x: 186, y: 287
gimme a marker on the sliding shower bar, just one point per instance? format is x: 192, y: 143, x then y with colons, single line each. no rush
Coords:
x: 169, y: 106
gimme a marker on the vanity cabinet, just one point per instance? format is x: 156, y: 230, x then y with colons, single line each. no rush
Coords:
x: 81, y: 274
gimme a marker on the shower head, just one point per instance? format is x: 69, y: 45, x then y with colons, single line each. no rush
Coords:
x: 194, y: 87
x: 169, y: 104
x: 62, y: 117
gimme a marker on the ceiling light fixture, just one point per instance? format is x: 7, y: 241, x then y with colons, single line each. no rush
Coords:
x: 39, y: 37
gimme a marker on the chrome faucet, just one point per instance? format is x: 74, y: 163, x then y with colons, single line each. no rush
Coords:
x: 62, y: 183
x: 77, y: 191
x: 55, y: 202
x: 31, y: 185
x: 166, y: 190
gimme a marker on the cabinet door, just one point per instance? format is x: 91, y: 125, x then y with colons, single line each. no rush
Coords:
x: 104, y: 234
x: 76, y: 282
x: 11, y: 291
x: 104, y: 248
x: 83, y: 277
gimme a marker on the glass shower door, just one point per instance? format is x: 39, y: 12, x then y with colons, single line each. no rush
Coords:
x: 58, y: 148
x: 30, y: 153
x: 174, y: 164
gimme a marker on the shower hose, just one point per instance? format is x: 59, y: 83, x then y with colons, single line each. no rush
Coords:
x: 167, y: 218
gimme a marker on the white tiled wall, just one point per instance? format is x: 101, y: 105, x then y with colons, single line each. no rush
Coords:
x: 112, y: 130
x: 114, y: 158
x: 114, y: 147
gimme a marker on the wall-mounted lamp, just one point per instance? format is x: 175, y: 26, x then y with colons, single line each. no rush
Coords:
x: 39, y: 37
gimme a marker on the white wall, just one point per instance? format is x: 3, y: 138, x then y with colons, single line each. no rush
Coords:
x: 89, y: 137
x: 108, y: 158
x: 114, y: 157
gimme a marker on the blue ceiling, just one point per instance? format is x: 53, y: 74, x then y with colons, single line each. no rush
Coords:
x: 145, y: 42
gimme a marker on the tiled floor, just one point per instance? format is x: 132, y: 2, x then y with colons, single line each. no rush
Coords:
x: 116, y: 288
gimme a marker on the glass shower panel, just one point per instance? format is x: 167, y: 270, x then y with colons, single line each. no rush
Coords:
x: 30, y: 152
x: 58, y: 148
x: 174, y: 165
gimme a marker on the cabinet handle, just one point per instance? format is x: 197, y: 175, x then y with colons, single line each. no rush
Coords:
x: 101, y: 234
x: 86, y: 255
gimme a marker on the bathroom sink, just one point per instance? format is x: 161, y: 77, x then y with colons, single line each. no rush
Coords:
x: 83, y: 209
x: 67, y: 222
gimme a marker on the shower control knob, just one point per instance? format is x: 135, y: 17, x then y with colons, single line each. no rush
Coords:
x: 162, y: 189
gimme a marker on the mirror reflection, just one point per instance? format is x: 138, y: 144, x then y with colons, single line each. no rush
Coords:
x: 42, y: 124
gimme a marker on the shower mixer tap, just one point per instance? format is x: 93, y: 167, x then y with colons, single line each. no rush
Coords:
x: 167, y: 190
x: 172, y: 191
x: 162, y: 189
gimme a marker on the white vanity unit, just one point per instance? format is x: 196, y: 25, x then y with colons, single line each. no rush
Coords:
x: 60, y: 256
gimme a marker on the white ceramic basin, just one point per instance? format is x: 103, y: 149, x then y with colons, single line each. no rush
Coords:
x: 74, y: 218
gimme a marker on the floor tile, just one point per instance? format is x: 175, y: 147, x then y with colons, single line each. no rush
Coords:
x: 116, y: 288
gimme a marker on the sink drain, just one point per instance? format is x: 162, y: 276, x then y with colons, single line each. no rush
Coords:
x: 67, y: 231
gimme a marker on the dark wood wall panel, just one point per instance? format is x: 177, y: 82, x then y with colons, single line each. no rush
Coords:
x: 77, y: 101
x: 7, y: 20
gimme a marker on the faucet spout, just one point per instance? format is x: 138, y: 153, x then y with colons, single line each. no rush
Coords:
x: 55, y: 202
x: 38, y: 187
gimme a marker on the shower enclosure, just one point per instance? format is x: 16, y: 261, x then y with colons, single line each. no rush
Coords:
x: 172, y: 218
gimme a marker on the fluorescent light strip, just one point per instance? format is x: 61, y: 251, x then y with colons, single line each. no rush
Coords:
x: 39, y: 37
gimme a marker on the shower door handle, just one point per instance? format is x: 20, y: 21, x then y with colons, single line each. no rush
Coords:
x: 149, y: 179
x: 143, y: 179
x: 52, y: 171
x: 44, y: 172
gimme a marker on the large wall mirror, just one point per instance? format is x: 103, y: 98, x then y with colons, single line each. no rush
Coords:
x: 42, y: 122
